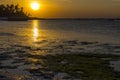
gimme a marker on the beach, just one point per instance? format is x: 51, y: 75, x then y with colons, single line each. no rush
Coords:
x: 60, y: 50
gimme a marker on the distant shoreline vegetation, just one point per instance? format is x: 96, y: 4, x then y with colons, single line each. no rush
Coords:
x: 11, y: 10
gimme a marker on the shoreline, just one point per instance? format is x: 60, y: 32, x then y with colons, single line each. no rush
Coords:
x: 67, y: 66
x: 36, y: 18
x: 29, y: 62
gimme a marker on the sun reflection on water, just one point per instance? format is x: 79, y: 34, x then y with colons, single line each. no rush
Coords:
x: 35, y: 30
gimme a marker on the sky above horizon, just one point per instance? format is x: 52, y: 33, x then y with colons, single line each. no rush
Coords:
x: 71, y: 8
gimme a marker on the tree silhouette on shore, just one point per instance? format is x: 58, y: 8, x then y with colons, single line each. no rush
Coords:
x: 12, y: 11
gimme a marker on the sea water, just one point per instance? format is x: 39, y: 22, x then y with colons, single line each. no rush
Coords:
x: 20, y: 41
x: 27, y: 32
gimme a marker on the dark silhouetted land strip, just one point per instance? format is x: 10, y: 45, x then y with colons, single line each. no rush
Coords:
x: 12, y: 12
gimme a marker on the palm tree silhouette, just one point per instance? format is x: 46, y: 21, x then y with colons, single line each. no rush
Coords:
x: 12, y: 11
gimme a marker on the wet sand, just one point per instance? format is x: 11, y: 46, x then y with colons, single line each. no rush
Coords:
x: 29, y: 63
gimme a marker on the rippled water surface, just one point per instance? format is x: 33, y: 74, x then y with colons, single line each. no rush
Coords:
x: 21, y: 41
x: 36, y: 30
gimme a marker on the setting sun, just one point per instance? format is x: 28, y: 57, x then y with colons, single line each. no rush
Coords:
x: 35, y: 6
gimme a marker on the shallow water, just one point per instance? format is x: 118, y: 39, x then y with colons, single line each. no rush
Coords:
x: 115, y: 65
x: 21, y: 42
x: 83, y: 30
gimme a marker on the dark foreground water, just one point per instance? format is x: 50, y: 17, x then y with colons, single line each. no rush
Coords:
x: 18, y: 40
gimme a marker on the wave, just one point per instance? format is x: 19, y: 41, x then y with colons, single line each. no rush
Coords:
x: 7, y: 34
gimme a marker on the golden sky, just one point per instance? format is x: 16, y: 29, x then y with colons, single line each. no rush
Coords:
x: 71, y: 8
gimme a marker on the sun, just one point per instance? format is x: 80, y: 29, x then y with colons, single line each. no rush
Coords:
x: 35, y: 5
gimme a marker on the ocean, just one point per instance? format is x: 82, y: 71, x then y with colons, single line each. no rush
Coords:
x: 35, y: 30
x: 22, y: 42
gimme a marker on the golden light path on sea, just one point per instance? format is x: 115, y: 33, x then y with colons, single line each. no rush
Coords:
x: 35, y: 30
